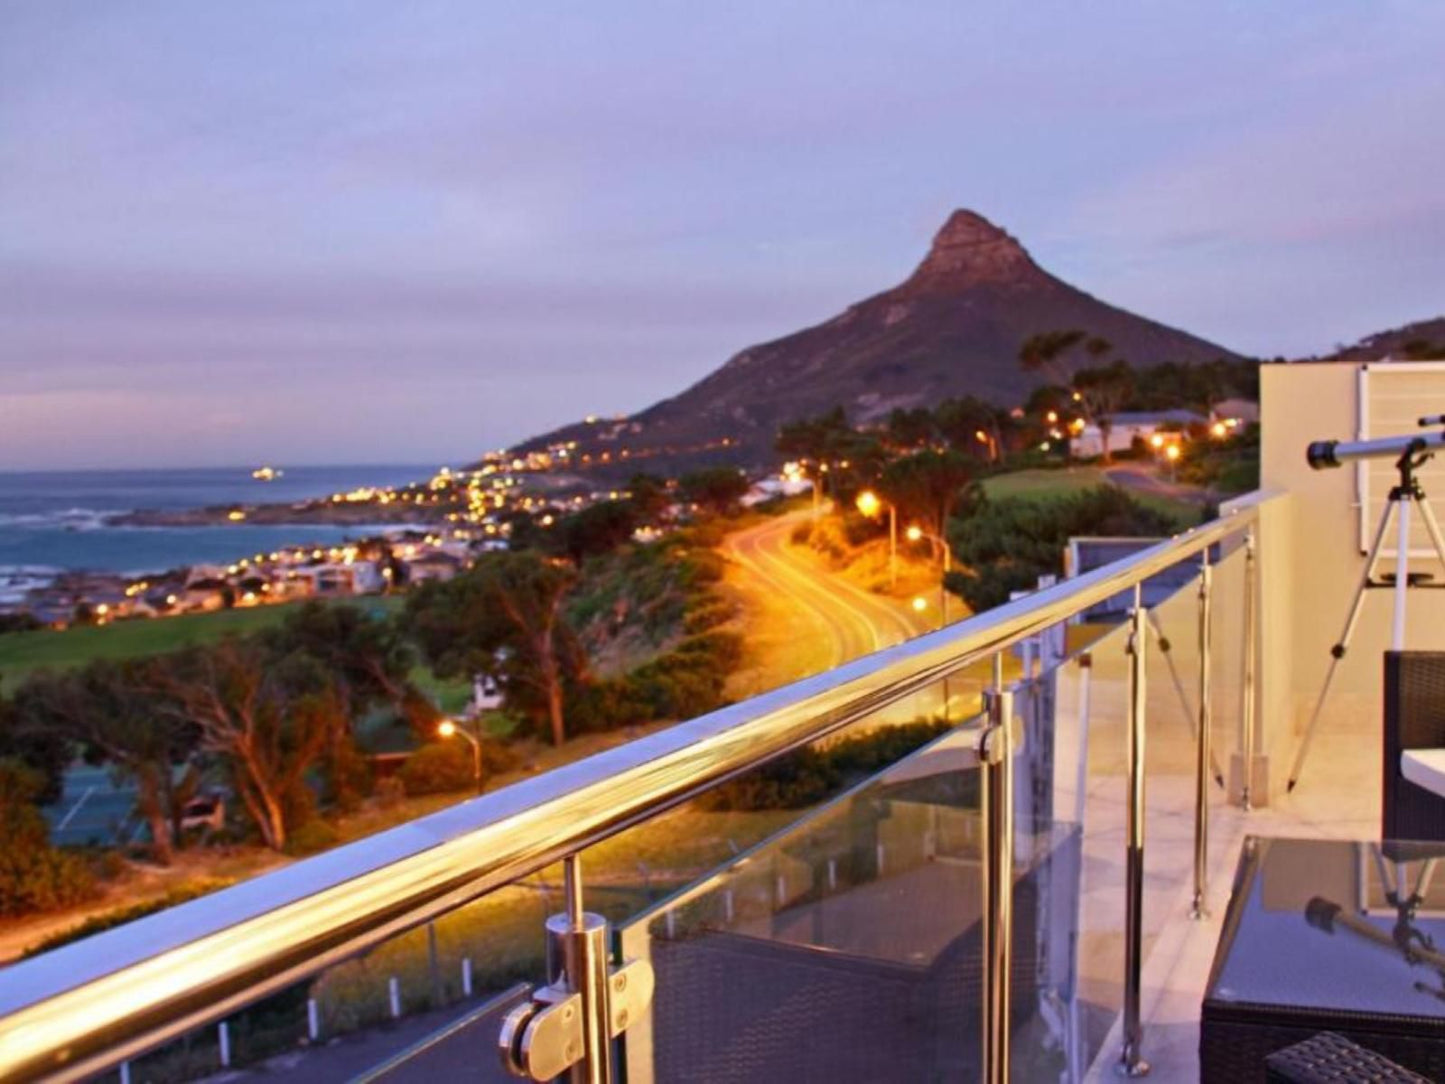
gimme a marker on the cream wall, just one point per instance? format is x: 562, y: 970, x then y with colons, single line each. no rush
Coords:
x: 1309, y: 570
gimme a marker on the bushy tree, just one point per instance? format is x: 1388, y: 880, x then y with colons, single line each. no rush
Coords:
x: 1005, y: 545
x: 267, y: 718
x: 106, y: 711
x: 718, y: 490
x: 925, y: 487
x: 597, y: 529
x: 42, y: 750
x: 505, y: 612
x: 34, y: 876
x: 1102, y: 392
x: 649, y: 497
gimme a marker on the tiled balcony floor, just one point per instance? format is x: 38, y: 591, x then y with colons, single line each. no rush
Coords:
x: 1338, y: 798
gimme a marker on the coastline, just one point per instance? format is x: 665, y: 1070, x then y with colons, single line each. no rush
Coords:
x: 319, y: 513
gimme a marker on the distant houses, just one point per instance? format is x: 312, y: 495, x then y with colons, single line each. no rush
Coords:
x: 355, y: 569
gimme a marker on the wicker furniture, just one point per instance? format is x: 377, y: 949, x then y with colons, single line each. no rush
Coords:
x: 1328, y: 1058
x: 1326, y: 935
x: 1414, y: 720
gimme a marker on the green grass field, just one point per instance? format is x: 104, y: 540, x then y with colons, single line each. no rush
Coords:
x: 1043, y: 485
x: 22, y: 652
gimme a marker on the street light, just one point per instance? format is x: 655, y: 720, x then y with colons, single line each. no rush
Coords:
x: 448, y: 728
x: 869, y: 504
x: 988, y: 442
x: 1171, y: 453
x: 916, y: 533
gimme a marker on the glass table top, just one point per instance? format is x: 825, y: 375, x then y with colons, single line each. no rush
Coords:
x: 1340, y: 925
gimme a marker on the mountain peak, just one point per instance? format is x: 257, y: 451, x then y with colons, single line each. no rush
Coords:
x: 970, y: 249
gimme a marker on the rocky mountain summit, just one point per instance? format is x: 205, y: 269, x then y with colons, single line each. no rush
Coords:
x: 953, y: 327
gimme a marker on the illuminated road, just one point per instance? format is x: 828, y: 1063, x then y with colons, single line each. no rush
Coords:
x: 853, y: 621
x: 846, y: 620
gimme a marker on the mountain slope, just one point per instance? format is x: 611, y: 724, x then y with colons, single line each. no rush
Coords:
x: 1423, y: 339
x: 954, y: 327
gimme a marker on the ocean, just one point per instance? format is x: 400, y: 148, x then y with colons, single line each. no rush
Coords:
x: 53, y: 520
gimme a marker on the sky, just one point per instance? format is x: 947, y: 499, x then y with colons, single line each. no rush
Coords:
x: 369, y: 231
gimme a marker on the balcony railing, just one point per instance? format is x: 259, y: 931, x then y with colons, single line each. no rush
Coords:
x: 93, y: 1005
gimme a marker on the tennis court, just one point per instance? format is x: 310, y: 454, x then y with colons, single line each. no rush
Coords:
x: 93, y: 810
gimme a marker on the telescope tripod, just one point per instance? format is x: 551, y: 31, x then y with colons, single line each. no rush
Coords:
x: 1406, y: 491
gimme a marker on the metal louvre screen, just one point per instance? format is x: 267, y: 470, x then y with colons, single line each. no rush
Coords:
x: 1392, y: 397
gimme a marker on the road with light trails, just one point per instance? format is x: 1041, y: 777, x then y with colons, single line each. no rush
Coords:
x: 854, y: 621
x: 850, y: 620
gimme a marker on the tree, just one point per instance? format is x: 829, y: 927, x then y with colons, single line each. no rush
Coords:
x: 1006, y: 545
x: 1102, y: 392
x: 649, y: 497
x: 973, y: 426
x: 42, y: 750
x: 925, y: 486
x: 34, y: 875
x: 104, y: 710
x: 597, y: 529
x: 909, y: 430
x: 1045, y: 353
x: 506, y: 602
x: 719, y: 490
x: 367, y: 658
x: 267, y: 718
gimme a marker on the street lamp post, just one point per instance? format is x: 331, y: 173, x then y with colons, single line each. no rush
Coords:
x: 447, y: 728
x: 915, y: 533
x: 869, y: 503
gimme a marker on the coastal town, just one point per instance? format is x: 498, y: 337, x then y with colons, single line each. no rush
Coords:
x: 432, y: 529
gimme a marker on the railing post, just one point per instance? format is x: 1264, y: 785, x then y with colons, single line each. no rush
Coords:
x: 1131, y: 1063
x: 1251, y: 633
x: 577, y: 957
x: 996, y: 808
x: 1201, y: 767
x: 565, y: 1030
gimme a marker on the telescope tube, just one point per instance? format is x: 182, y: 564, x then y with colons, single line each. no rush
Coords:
x: 1322, y: 454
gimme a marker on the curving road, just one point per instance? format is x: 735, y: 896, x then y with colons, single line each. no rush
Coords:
x: 848, y: 620
x: 853, y: 621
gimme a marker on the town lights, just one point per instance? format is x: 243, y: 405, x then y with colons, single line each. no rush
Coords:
x: 920, y: 603
x: 446, y: 728
x: 914, y: 533
x: 1219, y: 429
x: 868, y: 503
x: 1171, y: 453
x: 1156, y: 441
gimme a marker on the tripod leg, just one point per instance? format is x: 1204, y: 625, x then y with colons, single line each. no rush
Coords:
x: 1338, y: 651
x: 1432, y: 528
x: 1183, y: 695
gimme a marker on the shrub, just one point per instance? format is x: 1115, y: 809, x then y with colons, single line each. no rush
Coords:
x: 390, y: 792
x: 1006, y: 545
x: 181, y: 893
x: 312, y: 837
x: 34, y: 876
x: 440, y: 767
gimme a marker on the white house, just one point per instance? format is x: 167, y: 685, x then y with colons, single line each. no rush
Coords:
x: 1125, y: 427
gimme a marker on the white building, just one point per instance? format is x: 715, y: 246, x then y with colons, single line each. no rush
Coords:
x: 1127, y: 426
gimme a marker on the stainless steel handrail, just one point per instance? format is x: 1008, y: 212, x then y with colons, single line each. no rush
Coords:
x: 90, y: 1005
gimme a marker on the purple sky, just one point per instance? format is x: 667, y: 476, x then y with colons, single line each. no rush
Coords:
x: 379, y: 231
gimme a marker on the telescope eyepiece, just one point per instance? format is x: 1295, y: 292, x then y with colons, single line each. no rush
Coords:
x: 1321, y: 454
x: 1321, y: 913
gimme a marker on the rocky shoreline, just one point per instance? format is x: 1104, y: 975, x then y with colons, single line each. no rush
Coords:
x: 328, y: 513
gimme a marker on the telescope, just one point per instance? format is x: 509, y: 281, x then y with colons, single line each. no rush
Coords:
x: 1410, y: 451
x: 1323, y: 454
